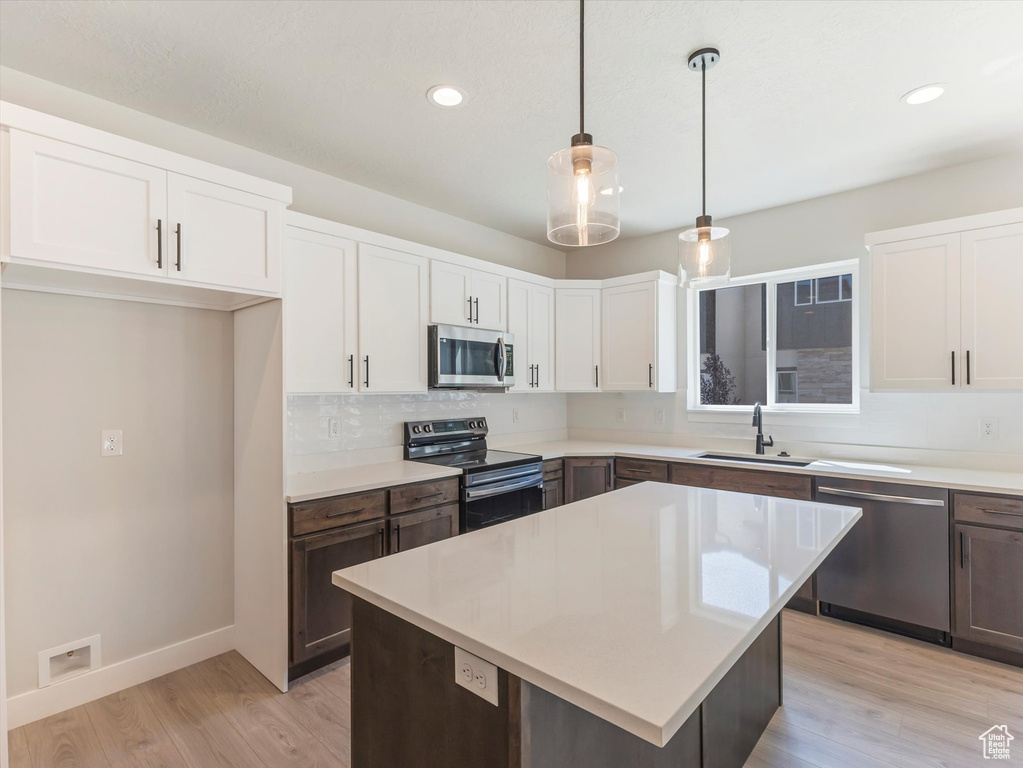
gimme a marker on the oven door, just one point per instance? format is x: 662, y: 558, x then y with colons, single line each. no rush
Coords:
x: 494, y: 503
x: 470, y: 358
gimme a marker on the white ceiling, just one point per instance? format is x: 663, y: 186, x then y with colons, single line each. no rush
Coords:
x: 805, y: 101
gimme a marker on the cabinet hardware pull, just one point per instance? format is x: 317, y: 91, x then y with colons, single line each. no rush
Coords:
x: 177, y: 231
x: 477, y: 303
x: 470, y: 309
x: 962, y: 550
x: 345, y: 512
x: 967, y: 367
x: 428, y: 496
x: 651, y: 374
x: 381, y: 532
x: 639, y: 471
x: 1000, y: 512
x: 607, y: 479
x: 159, y: 243
x: 351, y: 371
x: 397, y: 537
x: 953, y: 368
x: 538, y: 375
x: 596, y: 377
x: 367, y: 371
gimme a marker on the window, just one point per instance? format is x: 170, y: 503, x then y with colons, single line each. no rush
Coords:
x: 786, y: 340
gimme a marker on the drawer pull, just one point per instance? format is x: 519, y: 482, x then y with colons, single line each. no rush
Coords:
x: 639, y: 471
x: 345, y: 512
x: 397, y: 536
x: 428, y: 496
x: 1000, y: 512
x: 381, y: 532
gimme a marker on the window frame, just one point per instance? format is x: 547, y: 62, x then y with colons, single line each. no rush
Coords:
x: 771, y: 280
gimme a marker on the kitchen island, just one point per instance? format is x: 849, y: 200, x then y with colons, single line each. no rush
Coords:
x: 636, y: 628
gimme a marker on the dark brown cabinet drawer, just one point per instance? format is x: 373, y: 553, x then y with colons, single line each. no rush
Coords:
x: 406, y: 498
x: 988, y: 571
x: 641, y: 469
x: 1000, y: 511
x: 321, y: 614
x: 553, y: 491
x: 553, y: 468
x: 743, y: 480
x: 414, y: 529
x: 323, y: 514
x: 621, y: 482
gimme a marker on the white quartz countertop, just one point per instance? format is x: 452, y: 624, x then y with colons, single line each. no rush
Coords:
x: 632, y: 605
x: 938, y: 477
x: 365, y: 477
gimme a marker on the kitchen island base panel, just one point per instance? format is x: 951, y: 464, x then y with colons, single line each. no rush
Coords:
x: 408, y: 710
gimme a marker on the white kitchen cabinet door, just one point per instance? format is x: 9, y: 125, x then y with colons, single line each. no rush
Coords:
x: 223, y: 236
x: 577, y: 340
x: 541, y: 337
x: 628, y: 332
x: 450, y: 294
x: 489, y: 300
x: 83, y: 208
x: 393, y: 317
x: 915, y: 321
x: 992, y: 319
x: 320, y: 308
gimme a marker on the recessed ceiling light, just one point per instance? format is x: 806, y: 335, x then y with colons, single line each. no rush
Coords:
x: 924, y: 93
x: 446, y: 95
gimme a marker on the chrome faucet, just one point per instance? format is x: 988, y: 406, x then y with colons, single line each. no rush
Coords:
x: 758, y: 422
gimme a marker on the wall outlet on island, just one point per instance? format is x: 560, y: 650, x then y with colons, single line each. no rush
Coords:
x: 988, y: 427
x: 476, y: 675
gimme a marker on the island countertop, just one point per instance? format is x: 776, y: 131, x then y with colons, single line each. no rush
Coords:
x: 631, y: 605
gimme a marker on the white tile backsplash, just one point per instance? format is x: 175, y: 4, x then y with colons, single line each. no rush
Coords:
x: 375, y: 421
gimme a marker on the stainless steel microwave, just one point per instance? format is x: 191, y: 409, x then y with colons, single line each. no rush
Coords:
x: 470, y: 358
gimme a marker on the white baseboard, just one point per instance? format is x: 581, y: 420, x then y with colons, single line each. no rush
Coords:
x: 35, y: 705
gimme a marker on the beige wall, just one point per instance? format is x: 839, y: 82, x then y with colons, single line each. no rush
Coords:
x: 315, y: 193
x: 827, y: 228
x: 137, y: 548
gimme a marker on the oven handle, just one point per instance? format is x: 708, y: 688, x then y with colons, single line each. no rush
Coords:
x: 502, y: 358
x: 533, y: 481
x: 522, y: 471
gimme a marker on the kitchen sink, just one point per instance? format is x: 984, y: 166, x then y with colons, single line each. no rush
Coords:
x: 772, y: 460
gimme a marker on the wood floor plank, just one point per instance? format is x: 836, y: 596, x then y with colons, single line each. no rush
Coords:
x: 65, y: 740
x: 251, y: 707
x: 17, y: 749
x: 816, y: 749
x: 327, y: 716
x: 130, y: 733
x: 766, y: 756
x: 202, y: 734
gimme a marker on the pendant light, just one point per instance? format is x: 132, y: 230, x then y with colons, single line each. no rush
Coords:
x: 582, y: 184
x: 703, y: 251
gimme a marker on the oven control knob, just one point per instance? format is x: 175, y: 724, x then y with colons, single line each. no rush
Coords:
x: 472, y: 425
x: 428, y: 428
x: 481, y: 423
x: 417, y: 429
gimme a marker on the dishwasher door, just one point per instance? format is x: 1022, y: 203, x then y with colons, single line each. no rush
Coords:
x: 894, y: 563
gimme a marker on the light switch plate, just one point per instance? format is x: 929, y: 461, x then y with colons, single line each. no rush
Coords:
x: 476, y: 675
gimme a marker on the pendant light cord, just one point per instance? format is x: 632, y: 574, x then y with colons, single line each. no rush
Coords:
x: 703, y: 139
x: 582, y: 65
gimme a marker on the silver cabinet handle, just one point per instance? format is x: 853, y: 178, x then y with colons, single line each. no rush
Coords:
x: 367, y: 371
x: 476, y: 301
x: 351, y: 371
x: 470, y: 309
x: 850, y: 494
x: 159, y: 243
x: 651, y: 375
x: 596, y: 377
x: 177, y: 231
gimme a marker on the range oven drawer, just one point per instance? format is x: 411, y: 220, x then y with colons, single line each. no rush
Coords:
x: 486, y: 509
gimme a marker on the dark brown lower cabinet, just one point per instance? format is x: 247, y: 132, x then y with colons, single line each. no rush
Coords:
x: 988, y: 574
x: 781, y: 484
x: 321, y: 614
x: 587, y: 477
x: 553, y: 483
x: 414, y: 529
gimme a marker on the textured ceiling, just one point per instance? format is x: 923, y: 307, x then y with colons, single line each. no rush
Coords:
x: 805, y: 101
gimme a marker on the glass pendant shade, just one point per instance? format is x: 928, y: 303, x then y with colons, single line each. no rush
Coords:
x: 583, y: 202
x: 704, y: 252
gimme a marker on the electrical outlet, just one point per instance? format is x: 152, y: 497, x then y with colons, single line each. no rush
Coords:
x: 988, y: 427
x: 620, y: 416
x: 113, y: 443
x: 334, y: 428
x: 515, y: 415
x: 659, y: 416
x: 476, y: 675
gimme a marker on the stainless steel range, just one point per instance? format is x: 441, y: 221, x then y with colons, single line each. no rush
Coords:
x: 496, y: 485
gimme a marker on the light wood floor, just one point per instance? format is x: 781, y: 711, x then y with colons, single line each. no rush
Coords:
x: 854, y: 698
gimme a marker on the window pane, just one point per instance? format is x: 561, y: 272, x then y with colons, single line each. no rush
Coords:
x: 815, y: 343
x: 733, y: 360
x: 804, y: 292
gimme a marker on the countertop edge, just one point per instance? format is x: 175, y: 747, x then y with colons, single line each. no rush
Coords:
x: 436, y: 473
x: 654, y: 733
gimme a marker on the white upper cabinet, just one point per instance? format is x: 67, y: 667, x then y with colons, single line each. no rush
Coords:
x: 577, y: 335
x: 393, y: 317
x: 945, y: 308
x: 76, y: 206
x: 638, y: 334
x: 531, y: 321
x: 992, y: 334
x: 915, y: 321
x: 320, y: 304
x: 467, y: 297
x: 223, y: 236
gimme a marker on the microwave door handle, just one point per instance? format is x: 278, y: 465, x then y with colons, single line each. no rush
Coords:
x: 502, y: 358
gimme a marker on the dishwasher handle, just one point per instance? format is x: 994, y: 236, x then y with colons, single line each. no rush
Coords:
x: 850, y: 494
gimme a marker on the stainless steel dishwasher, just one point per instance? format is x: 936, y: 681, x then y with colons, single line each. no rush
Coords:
x: 892, y: 569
